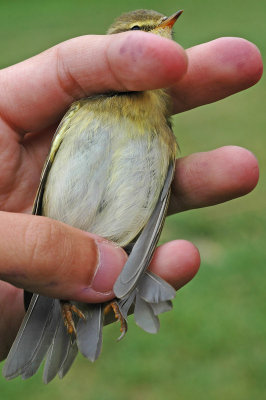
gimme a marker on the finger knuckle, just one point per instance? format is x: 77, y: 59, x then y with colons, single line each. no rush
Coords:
x: 41, y: 242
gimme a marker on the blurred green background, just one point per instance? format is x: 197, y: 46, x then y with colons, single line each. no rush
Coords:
x: 213, y: 345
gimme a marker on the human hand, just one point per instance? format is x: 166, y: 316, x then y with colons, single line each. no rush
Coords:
x: 48, y: 257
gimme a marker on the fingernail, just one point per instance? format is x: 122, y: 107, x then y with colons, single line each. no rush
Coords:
x: 111, y: 261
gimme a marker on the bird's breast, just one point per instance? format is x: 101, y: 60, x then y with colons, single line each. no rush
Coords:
x: 106, y: 178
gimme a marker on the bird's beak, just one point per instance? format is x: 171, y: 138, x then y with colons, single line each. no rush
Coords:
x: 169, y: 22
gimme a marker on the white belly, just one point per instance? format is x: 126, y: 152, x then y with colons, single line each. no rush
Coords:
x: 103, y: 183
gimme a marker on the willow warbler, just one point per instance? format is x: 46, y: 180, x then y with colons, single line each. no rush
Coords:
x: 108, y: 172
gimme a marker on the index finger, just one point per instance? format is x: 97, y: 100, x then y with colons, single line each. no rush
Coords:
x: 36, y: 92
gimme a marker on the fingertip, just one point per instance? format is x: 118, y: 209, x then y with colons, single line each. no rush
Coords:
x: 217, y: 69
x: 190, y: 260
x: 241, y: 57
x: 216, y: 176
x: 46, y: 256
x: 111, y: 261
x: 141, y: 61
x: 243, y: 168
x: 177, y: 262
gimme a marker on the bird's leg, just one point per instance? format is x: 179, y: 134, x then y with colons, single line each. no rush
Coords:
x: 67, y: 312
x: 118, y: 315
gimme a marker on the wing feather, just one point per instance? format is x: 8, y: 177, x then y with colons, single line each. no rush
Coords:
x: 144, y: 248
x: 57, y: 140
x: 57, y: 352
x: 89, y: 332
x: 33, y: 339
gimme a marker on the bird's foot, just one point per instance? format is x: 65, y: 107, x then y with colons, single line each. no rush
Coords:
x: 68, y: 310
x: 118, y: 315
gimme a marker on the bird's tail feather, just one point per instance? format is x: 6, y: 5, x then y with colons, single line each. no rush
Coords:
x: 89, y: 331
x: 151, y: 297
x: 57, y: 351
x: 71, y: 354
x: 33, y: 339
x: 43, y: 334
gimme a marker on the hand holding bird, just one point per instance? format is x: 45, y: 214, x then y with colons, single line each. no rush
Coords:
x: 227, y: 89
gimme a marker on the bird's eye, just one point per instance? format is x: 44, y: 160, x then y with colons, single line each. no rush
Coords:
x: 135, y: 28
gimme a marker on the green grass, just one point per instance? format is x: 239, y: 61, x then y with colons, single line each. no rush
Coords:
x: 213, y: 345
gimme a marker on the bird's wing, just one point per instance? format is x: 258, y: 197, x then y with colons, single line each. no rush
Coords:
x: 161, y: 290
x: 39, y: 329
x: 33, y: 339
x: 57, y: 140
x: 142, y: 252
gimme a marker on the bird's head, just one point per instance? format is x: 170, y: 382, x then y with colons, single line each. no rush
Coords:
x: 145, y: 20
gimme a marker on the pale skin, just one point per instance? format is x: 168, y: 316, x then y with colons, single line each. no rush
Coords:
x: 48, y: 257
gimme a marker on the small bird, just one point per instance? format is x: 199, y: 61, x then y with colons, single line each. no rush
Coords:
x: 109, y: 172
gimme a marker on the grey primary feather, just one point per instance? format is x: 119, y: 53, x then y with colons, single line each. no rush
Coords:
x: 89, y: 332
x: 145, y: 317
x: 151, y: 297
x: 57, y: 352
x: 71, y: 354
x: 154, y: 289
x: 33, y: 339
x: 143, y: 250
x: 126, y: 303
x: 163, y: 306
x: 43, y: 346
x: 168, y: 181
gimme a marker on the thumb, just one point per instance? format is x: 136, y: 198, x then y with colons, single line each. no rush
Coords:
x: 48, y: 257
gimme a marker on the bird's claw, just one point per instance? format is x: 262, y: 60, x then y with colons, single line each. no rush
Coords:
x: 118, y: 315
x: 67, y: 312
